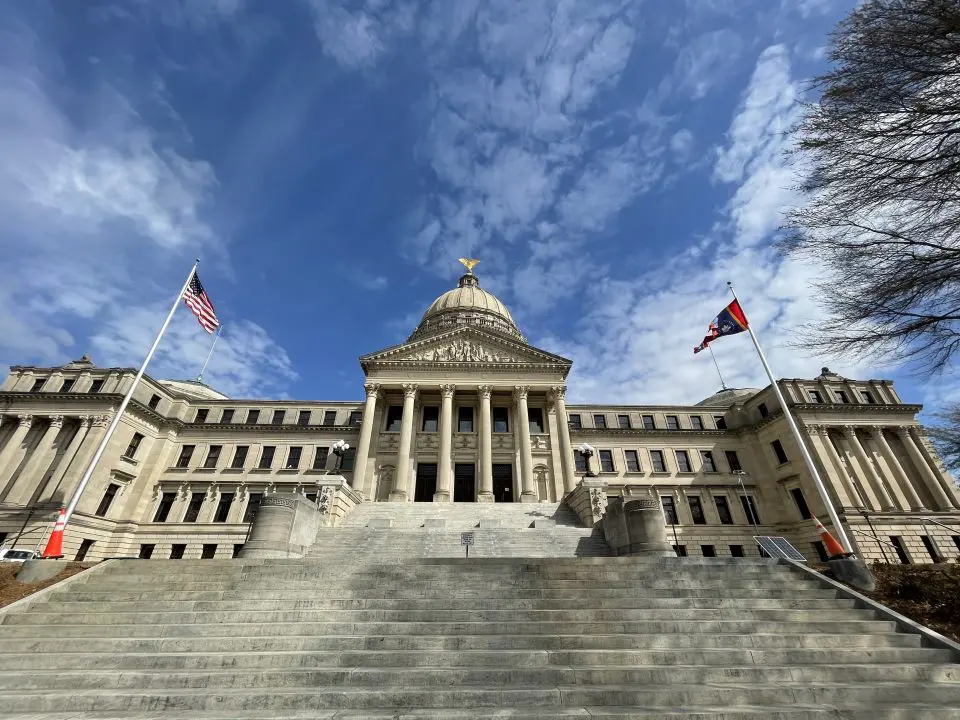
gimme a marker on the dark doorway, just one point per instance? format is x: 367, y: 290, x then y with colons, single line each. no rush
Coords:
x: 426, y: 482
x: 503, y: 483
x: 464, y: 482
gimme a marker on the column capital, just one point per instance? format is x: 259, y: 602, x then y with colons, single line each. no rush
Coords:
x: 56, y: 421
x: 410, y: 390
x: 557, y: 393
x: 372, y: 389
x: 877, y: 429
x: 84, y: 420
x: 520, y: 392
x: 99, y: 420
x: 902, y: 432
x: 25, y: 420
x: 849, y: 431
x: 485, y: 391
x: 447, y: 391
x: 817, y: 429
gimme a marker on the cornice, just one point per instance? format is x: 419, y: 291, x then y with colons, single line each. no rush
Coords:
x: 110, y: 399
x: 656, y: 432
x: 268, y: 429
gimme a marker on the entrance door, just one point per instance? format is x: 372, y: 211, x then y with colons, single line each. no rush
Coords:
x: 464, y: 482
x: 503, y: 483
x: 426, y: 482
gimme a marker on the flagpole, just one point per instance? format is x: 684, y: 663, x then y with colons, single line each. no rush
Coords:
x: 722, y: 383
x: 209, y: 354
x: 821, y: 488
x: 88, y: 473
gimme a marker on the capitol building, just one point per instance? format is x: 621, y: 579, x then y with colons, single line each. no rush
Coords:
x: 465, y: 410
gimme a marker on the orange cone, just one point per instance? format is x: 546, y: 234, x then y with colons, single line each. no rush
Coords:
x: 54, y: 547
x: 830, y: 543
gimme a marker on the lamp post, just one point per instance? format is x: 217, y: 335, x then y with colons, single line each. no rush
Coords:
x: 749, y: 505
x: 339, y: 449
x: 587, y: 452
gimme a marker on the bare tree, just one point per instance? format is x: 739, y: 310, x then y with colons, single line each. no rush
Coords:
x: 946, y: 435
x: 881, y: 151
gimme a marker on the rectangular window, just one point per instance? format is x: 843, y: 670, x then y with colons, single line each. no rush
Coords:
x: 683, y: 461
x: 465, y: 419
x: 815, y: 396
x: 85, y: 546
x: 868, y: 397
x: 431, y: 419
x: 820, y: 549
x: 349, y: 458
x: 669, y: 509
x: 696, y: 422
x: 278, y: 417
x: 96, y: 386
x: 154, y: 402
x: 720, y: 421
x: 186, y: 452
x: 600, y: 422
x: 303, y: 418
x: 131, y: 451
x: 107, y: 500
x: 394, y: 418
x: 801, y: 502
x: 146, y: 551
x: 901, y: 551
x: 648, y: 423
x: 208, y: 551
x: 581, y: 461
x: 329, y: 418
x: 656, y: 461
x: 535, y: 418
x: 37, y: 385
x: 706, y: 456
x: 266, y: 457
x: 226, y: 418
x: 177, y: 550
x: 320, y: 458
x: 623, y: 421
x: 213, y: 457
x: 696, y: 510
x: 253, y: 504
x: 841, y: 397
x: 163, y: 508
x: 356, y: 416
x: 732, y: 460
x: 931, y: 549
x: 501, y: 420
x: 575, y: 422
x: 633, y: 460
x: 223, y: 508
x: 193, y: 509
x: 201, y: 416
x: 240, y: 457
x: 673, y: 422
x: 779, y: 451
x: 708, y: 550
x: 237, y: 549
x: 750, y: 509
x: 606, y: 461
x: 293, y: 458
x: 253, y: 417
x: 723, y: 510
x: 67, y: 385
x: 736, y: 551
x: 680, y: 550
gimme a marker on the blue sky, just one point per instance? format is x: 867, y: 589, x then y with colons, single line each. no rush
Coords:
x: 612, y: 163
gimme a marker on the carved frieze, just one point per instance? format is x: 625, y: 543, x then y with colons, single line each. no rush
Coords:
x: 465, y: 350
x: 389, y: 443
x: 464, y: 441
x: 502, y: 441
x: 428, y: 441
x: 540, y: 443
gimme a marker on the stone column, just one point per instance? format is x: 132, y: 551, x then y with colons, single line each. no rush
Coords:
x: 566, y: 447
x: 359, y: 481
x: 29, y: 481
x: 401, y: 490
x: 486, y: 451
x: 444, y: 491
x: 98, y: 428
x: 820, y: 439
x: 933, y: 462
x: 66, y: 458
x: 527, y: 492
x: 903, y: 480
x: 940, y: 498
x: 12, y: 448
x: 872, y: 476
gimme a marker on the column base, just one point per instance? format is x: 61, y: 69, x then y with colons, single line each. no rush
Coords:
x: 485, y: 497
x: 441, y: 496
x: 529, y: 497
x: 397, y: 496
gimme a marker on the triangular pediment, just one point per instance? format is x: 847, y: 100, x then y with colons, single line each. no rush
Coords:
x: 466, y: 346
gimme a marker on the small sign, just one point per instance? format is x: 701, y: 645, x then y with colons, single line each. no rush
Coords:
x: 466, y: 538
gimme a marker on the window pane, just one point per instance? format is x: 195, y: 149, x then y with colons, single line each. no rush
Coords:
x: 278, y: 416
x: 723, y: 510
x: 431, y: 419
x: 253, y: 505
x: 163, y: 508
x: 356, y: 417
x: 815, y: 396
x: 801, y: 502
x: 842, y: 397
x: 575, y: 422
x: 177, y: 550
x: 146, y: 551
x: 600, y: 421
x: 720, y: 421
x: 303, y: 418
x: 648, y: 422
x: 696, y: 511
x: 633, y: 462
x: 253, y: 417
x: 201, y: 416
x: 134, y: 445
x: 223, y: 507
x: 656, y: 459
x: 186, y: 452
x: 669, y: 509
x: 708, y: 550
x: 683, y: 461
x: 535, y: 417
x: 465, y: 419
x: 623, y: 421
x: 227, y: 417
x: 581, y: 462
x: 330, y: 417
x: 733, y: 461
x: 762, y: 407
x: 97, y: 386
x: 67, y: 386
x: 868, y: 398
x: 349, y: 458
x: 673, y: 422
x: 779, y: 451
x: 320, y: 458
x: 293, y: 458
x: 239, y: 456
x: 750, y: 509
x: 37, y: 384
x: 193, y: 509
x: 394, y: 418
x: 696, y: 422
x: 708, y: 464
x: 501, y: 420
x: 107, y: 500
x: 154, y: 401
x: 213, y: 455
x: 266, y: 457
x: 606, y: 461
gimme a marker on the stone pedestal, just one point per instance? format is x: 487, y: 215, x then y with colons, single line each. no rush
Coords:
x: 636, y: 527
x: 853, y: 572
x: 588, y: 500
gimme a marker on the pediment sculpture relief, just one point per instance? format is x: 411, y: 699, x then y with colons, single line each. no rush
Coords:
x: 464, y: 350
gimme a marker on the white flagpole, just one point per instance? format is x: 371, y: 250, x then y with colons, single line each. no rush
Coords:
x: 717, y: 365
x: 821, y: 488
x: 209, y: 354
x: 88, y: 473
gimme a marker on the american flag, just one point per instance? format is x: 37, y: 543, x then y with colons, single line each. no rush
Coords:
x: 196, y: 299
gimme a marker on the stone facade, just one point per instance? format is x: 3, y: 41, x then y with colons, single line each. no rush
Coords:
x: 464, y: 410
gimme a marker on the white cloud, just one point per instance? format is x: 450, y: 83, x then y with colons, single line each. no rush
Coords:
x: 702, y: 64
x: 356, y: 36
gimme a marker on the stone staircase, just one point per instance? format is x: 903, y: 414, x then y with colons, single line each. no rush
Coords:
x: 340, y: 636
x: 398, y: 531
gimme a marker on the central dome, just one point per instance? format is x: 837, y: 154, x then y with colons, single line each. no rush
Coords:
x: 467, y: 305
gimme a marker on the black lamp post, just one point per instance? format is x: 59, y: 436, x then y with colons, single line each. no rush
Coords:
x: 339, y: 449
x: 587, y: 452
